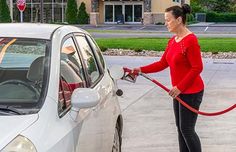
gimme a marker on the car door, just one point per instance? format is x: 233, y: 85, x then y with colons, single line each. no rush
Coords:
x: 112, y: 108
x: 73, y: 123
x: 105, y: 112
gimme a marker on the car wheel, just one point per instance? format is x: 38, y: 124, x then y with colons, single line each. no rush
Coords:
x: 117, y: 141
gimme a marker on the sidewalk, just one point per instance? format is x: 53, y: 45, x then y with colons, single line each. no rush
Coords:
x: 148, y: 115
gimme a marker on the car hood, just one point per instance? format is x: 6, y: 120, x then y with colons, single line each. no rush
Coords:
x: 11, y: 126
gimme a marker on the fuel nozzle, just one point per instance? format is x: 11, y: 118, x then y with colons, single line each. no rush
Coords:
x: 130, y: 75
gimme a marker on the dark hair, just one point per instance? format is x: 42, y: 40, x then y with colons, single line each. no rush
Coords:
x: 178, y: 11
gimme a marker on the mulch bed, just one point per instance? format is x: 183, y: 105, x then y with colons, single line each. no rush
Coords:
x: 122, y: 52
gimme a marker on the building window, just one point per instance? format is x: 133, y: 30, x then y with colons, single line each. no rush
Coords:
x: 53, y: 11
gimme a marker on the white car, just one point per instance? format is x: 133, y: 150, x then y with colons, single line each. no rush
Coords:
x: 56, y: 94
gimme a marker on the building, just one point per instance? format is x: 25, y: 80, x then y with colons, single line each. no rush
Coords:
x: 129, y: 11
x: 53, y: 11
x: 101, y: 11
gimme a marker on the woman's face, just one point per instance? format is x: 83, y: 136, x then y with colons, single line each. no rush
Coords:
x: 171, y: 22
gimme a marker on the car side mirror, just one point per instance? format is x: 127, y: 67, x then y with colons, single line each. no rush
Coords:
x: 116, y: 72
x: 84, y: 98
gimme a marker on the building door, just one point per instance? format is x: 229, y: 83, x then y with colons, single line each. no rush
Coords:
x: 109, y: 13
x: 128, y: 13
x: 133, y: 13
x: 119, y: 14
x: 123, y: 12
x: 138, y: 11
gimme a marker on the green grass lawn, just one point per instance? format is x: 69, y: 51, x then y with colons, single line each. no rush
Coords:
x: 159, y: 44
x: 116, y: 31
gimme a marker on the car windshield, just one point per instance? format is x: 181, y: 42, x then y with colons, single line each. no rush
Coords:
x: 22, y: 71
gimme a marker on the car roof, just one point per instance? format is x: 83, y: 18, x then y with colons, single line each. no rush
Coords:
x: 33, y: 30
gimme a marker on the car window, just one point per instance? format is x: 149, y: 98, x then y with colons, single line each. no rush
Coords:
x: 20, y: 53
x: 22, y: 70
x: 97, y: 50
x: 88, y: 58
x: 71, y: 75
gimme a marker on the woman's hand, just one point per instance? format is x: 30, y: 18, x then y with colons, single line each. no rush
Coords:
x: 135, y: 71
x: 174, y: 92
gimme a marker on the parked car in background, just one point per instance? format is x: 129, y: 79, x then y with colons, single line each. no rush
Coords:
x: 56, y: 92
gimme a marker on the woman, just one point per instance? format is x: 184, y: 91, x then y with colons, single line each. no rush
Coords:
x: 183, y: 57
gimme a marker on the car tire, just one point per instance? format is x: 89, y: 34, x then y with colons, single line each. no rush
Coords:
x: 116, y: 147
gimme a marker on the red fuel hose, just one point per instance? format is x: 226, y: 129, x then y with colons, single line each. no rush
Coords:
x: 181, y: 101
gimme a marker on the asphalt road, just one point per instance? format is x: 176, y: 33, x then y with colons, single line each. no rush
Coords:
x: 157, y: 35
x: 121, y: 31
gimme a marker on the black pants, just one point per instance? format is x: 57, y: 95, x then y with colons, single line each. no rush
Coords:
x: 185, y: 122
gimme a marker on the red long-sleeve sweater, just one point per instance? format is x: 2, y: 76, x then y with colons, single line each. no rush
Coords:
x: 185, y: 62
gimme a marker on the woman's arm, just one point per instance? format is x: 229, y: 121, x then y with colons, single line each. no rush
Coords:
x: 159, y: 65
x: 156, y: 66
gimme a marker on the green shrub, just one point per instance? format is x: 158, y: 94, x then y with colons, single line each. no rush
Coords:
x: 220, y: 17
x: 190, y: 18
x: 103, y: 49
x: 4, y: 12
x: 159, y: 23
x: 215, y: 52
x: 82, y: 14
x: 71, y: 12
x: 138, y: 50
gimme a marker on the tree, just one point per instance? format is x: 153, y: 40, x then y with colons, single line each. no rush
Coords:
x: 196, y: 7
x: 82, y: 14
x: 234, y: 8
x: 221, y: 6
x: 71, y: 12
x: 214, y: 5
x: 4, y: 12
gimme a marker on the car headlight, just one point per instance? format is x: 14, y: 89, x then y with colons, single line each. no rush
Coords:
x: 20, y: 144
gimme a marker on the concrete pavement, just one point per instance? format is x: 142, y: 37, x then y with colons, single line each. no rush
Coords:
x: 148, y: 115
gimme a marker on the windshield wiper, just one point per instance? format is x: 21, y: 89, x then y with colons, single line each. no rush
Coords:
x: 10, y: 110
